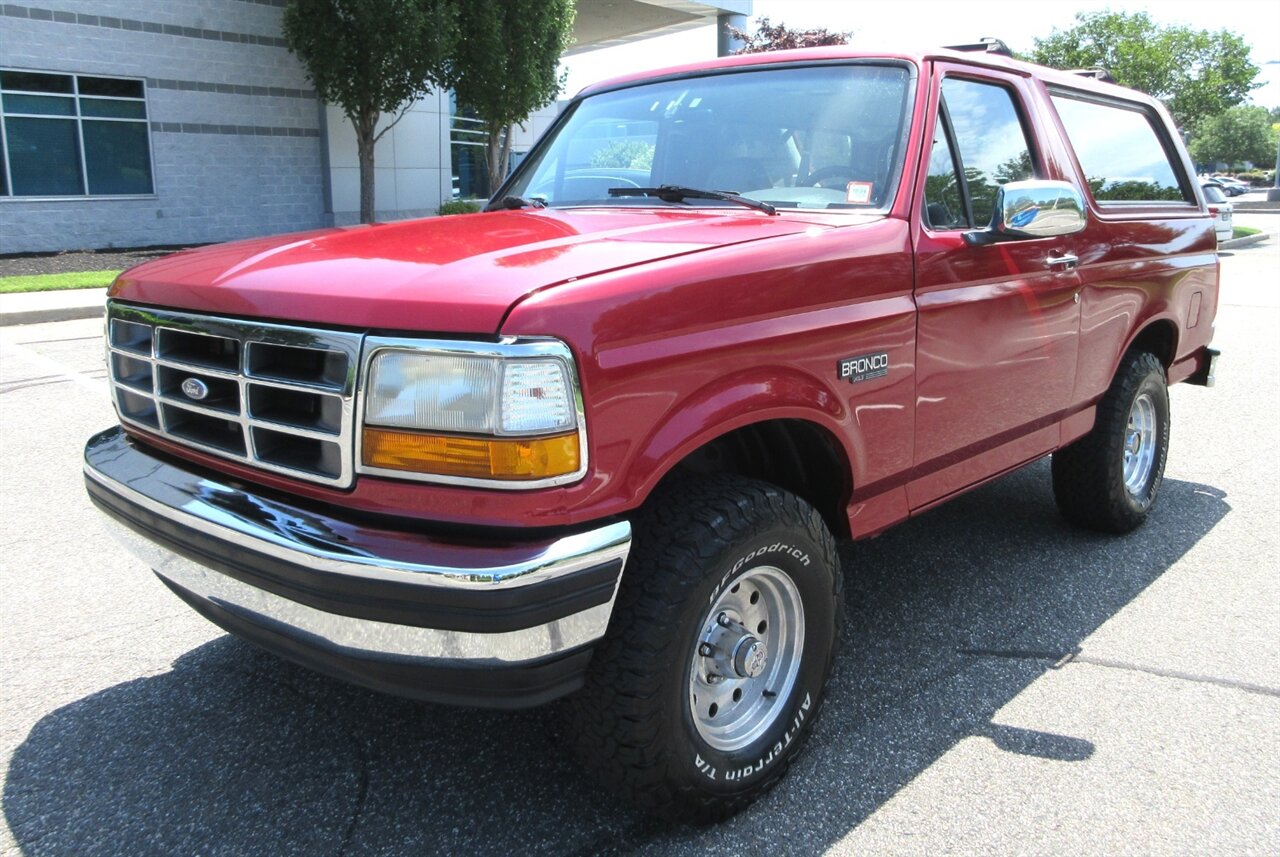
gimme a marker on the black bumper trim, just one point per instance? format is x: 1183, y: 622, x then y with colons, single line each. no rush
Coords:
x: 448, y: 609
x: 523, y: 686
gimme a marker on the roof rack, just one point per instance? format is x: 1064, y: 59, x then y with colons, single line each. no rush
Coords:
x: 1097, y: 73
x: 986, y: 44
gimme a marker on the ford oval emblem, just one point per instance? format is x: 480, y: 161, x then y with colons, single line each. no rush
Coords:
x: 194, y: 388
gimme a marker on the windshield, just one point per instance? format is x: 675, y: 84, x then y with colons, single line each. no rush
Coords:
x: 825, y: 137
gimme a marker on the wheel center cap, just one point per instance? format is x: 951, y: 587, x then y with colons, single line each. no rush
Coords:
x: 750, y: 657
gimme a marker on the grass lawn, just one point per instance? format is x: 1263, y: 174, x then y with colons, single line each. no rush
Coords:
x: 1243, y: 231
x: 49, y: 282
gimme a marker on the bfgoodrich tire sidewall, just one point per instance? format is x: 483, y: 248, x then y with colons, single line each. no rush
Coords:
x: 1153, y: 385
x: 808, y: 566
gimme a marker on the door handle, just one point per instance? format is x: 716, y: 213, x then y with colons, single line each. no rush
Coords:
x: 1066, y: 261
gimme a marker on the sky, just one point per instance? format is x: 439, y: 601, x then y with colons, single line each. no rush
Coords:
x: 940, y: 22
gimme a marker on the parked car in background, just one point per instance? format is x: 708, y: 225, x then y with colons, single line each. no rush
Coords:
x: 1243, y: 186
x: 1229, y: 186
x: 1221, y: 209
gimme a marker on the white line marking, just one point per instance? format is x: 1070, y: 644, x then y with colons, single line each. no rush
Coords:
x: 52, y: 367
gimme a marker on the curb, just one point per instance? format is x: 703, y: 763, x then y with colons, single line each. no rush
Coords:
x: 40, y: 316
x: 27, y: 308
x: 1233, y: 243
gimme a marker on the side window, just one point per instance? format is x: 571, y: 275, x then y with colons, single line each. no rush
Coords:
x: 992, y: 150
x: 1120, y: 152
x: 944, y: 202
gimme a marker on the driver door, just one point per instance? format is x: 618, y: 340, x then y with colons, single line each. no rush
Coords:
x: 998, y: 325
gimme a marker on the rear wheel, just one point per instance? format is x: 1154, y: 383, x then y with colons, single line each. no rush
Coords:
x: 722, y: 640
x: 1109, y: 479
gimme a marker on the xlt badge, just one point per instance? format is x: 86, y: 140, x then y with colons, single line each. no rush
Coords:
x: 864, y: 367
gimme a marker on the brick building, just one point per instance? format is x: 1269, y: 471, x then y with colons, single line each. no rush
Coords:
x: 143, y: 122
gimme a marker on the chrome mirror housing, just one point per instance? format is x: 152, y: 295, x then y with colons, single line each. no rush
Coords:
x: 1033, y: 209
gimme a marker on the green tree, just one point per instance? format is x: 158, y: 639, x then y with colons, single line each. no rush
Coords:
x: 1236, y: 135
x: 1017, y: 169
x: 370, y: 57
x: 506, y: 65
x: 1196, y: 73
x: 626, y: 154
x: 779, y: 37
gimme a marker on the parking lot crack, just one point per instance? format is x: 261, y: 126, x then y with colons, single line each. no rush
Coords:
x: 1061, y: 659
x: 359, y: 751
x: 1247, y: 687
x: 1057, y: 658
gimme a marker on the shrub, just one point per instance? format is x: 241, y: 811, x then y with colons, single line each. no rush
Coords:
x: 459, y: 206
x: 1256, y: 178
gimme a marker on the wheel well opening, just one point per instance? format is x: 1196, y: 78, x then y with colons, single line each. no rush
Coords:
x: 1159, y: 338
x: 796, y: 455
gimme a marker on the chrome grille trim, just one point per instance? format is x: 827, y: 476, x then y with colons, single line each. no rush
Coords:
x: 136, y: 334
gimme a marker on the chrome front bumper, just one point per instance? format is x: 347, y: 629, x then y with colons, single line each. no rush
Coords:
x: 503, y: 623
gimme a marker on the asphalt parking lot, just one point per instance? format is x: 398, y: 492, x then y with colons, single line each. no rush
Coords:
x: 1006, y: 684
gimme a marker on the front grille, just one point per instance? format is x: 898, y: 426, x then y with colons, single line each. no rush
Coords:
x: 270, y: 395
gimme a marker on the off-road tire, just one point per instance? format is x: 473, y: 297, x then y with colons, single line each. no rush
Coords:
x: 632, y: 725
x: 1088, y: 475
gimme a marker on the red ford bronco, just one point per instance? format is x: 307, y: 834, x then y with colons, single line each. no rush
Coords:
x: 600, y: 440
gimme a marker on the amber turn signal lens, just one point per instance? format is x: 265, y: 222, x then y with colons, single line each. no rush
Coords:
x: 477, y: 458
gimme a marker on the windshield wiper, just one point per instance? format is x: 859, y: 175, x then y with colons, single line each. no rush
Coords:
x: 515, y: 203
x: 676, y: 193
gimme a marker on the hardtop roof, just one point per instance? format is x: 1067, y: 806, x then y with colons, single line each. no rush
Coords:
x: 918, y: 58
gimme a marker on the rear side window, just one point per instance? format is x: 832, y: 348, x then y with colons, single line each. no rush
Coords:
x: 979, y: 144
x: 1121, y: 152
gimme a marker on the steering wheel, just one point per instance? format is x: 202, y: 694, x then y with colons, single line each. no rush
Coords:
x: 817, y: 177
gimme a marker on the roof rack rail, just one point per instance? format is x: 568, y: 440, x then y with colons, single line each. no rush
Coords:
x: 1097, y: 73
x: 986, y: 44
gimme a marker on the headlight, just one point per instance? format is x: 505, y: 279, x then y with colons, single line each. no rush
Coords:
x: 507, y: 412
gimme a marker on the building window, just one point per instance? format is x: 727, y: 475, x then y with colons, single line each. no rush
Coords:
x: 468, y: 152
x: 73, y: 135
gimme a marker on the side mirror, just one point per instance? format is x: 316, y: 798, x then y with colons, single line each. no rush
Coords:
x: 1032, y: 209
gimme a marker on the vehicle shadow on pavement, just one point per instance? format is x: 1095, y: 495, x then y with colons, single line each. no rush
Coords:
x: 235, y: 752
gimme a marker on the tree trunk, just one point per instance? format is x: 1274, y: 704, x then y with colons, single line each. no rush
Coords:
x: 507, y: 134
x: 497, y: 145
x: 365, y: 125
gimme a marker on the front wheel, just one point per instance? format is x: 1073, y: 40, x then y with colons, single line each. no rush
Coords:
x: 1109, y: 479
x: 722, y: 640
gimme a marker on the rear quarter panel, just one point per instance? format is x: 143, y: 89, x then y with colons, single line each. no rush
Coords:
x: 1139, y: 264
x: 1136, y: 272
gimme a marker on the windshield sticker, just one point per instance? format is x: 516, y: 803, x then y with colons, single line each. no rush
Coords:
x: 858, y: 193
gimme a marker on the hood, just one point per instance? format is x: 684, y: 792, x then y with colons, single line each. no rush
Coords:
x: 455, y: 274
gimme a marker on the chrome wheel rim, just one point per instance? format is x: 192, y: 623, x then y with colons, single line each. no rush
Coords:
x: 746, y: 658
x: 1140, y: 444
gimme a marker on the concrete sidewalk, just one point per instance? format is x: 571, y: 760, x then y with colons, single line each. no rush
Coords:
x: 61, y: 305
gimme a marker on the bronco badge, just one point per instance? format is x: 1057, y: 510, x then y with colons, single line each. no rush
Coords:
x: 863, y: 367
